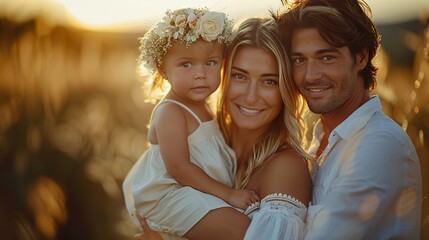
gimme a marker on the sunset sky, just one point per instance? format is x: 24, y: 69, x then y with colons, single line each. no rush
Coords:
x: 132, y: 14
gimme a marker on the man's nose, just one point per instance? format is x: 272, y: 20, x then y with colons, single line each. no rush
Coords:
x: 313, y: 71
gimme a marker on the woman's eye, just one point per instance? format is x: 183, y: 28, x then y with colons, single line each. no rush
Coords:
x: 270, y: 82
x: 238, y: 76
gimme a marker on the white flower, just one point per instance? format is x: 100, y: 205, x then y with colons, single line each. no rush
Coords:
x: 180, y: 21
x: 161, y: 29
x: 178, y: 33
x: 191, y: 38
x: 211, y: 25
x: 192, y: 19
x: 193, y: 24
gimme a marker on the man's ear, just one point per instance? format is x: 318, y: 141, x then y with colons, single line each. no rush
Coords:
x: 361, y: 59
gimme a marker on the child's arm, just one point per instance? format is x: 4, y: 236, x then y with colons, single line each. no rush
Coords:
x: 172, y: 131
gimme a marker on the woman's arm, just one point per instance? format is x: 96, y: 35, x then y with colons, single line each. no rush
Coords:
x: 286, y: 173
x: 285, y: 188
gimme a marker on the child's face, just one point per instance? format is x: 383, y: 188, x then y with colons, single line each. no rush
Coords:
x: 194, y: 71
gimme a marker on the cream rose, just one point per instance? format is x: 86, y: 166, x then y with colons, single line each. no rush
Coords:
x: 162, y: 29
x: 210, y: 25
x: 180, y: 21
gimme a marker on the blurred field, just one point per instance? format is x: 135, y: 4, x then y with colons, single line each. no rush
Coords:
x: 73, y: 121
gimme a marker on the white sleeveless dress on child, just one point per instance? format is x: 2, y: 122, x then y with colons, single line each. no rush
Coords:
x: 166, y: 205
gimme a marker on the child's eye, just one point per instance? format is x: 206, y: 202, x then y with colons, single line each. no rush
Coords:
x: 211, y: 63
x: 186, y: 64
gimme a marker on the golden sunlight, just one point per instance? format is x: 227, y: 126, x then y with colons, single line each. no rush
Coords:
x: 132, y: 14
x: 73, y: 116
x: 369, y: 207
x: 126, y: 15
x: 406, y: 202
x: 47, y: 201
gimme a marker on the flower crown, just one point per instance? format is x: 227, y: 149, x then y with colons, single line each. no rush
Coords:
x: 184, y: 26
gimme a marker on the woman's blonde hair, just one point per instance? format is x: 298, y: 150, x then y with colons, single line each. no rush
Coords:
x: 287, y: 129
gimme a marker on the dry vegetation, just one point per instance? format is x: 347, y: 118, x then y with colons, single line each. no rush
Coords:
x: 73, y: 121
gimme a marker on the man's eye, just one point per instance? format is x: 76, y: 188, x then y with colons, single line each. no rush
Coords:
x: 328, y: 58
x: 297, y: 60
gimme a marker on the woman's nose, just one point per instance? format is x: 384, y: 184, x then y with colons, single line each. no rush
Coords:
x: 251, y: 93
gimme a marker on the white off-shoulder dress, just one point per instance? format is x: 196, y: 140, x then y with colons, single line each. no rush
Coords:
x: 277, y: 216
x: 167, y: 206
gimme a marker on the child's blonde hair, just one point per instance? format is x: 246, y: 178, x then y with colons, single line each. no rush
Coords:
x: 183, y: 26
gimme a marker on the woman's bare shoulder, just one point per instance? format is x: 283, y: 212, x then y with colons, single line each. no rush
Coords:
x: 288, y: 173
x: 291, y: 158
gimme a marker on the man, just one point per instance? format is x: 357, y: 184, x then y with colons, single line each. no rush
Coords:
x: 369, y: 182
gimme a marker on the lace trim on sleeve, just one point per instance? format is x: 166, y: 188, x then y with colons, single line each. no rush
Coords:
x: 276, y: 201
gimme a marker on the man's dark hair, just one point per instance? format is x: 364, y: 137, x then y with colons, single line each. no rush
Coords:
x: 340, y: 23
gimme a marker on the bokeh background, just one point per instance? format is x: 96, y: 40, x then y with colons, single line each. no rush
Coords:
x: 73, y: 118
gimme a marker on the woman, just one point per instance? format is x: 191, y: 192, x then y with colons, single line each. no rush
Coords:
x: 184, y: 183
x: 260, y: 119
x: 259, y: 115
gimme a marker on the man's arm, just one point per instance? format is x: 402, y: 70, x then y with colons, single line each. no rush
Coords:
x: 375, y: 188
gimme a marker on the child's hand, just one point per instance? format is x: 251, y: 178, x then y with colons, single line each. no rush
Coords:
x: 242, y: 198
x: 147, y: 234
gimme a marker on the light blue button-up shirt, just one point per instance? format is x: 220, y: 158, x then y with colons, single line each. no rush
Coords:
x: 368, y: 185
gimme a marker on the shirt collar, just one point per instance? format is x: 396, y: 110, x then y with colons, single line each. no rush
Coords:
x: 358, y: 119
x: 352, y: 124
